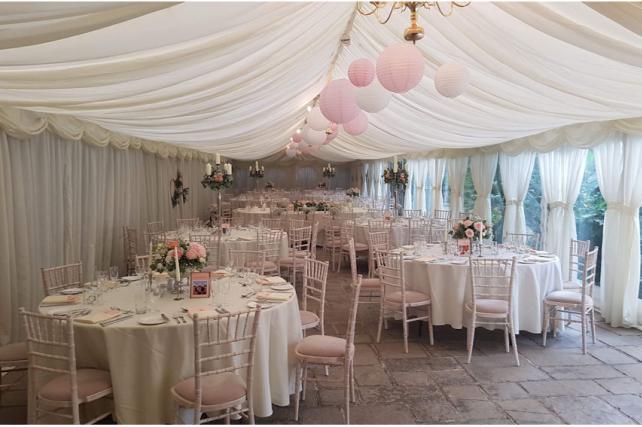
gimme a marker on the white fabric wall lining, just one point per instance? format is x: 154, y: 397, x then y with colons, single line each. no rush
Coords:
x: 457, y: 169
x: 62, y: 201
x: 482, y: 169
x: 516, y: 174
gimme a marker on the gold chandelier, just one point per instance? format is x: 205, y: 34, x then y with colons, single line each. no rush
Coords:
x: 383, y: 11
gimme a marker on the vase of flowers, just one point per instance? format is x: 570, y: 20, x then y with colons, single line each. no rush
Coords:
x: 187, y: 255
x: 467, y: 230
x: 397, y: 178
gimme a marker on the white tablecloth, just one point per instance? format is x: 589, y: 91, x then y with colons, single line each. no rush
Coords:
x: 146, y: 361
x: 449, y: 288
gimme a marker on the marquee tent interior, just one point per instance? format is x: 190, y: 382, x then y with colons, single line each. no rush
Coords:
x: 102, y: 103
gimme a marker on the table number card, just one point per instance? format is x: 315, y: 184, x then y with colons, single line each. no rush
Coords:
x: 200, y: 285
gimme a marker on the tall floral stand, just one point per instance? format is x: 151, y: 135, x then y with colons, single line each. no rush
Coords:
x: 218, y: 180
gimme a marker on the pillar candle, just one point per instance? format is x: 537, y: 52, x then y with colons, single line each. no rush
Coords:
x: 178, y: 269
x: 218, y: 159
x: 256, y: 165
x: 263, y: 168
x: 230, y: 168
x: 249, y: 168
x: 208, y: 169
x: 394, y: 165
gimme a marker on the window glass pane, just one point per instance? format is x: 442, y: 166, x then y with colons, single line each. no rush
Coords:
x: 469, y: 192
x: 532, y: 202
x: 497, y: 206
x: 589, y: 209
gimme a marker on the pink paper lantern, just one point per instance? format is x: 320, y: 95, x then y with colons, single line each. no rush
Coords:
x: 361, y: 72
x: 296, y: 137
x: 338, y: 101
x: 358, y: 125
x: 400, y: 67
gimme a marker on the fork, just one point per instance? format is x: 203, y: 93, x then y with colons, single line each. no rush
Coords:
x: 175, y: 317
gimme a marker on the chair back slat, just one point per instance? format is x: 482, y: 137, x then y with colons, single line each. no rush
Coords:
x: 155, y: 227
x: 492, y: 279
x: 577, y: 256
x: 186, y: 223
x: 391, y: 274
x: 56, y: 279
x: 441, y: 214
x: 589, y: 274
x: 315, y: 277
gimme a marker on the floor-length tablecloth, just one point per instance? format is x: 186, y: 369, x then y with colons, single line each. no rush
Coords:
x: 146, y: 361
x: 449, y: 288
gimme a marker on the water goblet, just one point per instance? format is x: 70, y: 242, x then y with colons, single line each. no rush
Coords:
x: 113, y: 272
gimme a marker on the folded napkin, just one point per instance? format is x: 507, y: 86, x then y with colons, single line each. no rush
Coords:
x: 273, y: 296
x: 99, y: 316
x: 539, y: 258
x: 426, y: 258
x: 219, y: 274
x: 202, y: 312
x: 270, y: 280
x: 60, y: 300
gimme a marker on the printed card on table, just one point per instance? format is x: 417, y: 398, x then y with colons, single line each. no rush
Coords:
x: 200, y: 285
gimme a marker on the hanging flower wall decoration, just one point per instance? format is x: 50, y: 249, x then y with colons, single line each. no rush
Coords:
x: 180, y: 192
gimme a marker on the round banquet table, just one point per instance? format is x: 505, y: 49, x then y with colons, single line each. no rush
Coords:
x: 237, y: 238
x: 146, y: 361
x: 252, y: 216
x: 448, y: 285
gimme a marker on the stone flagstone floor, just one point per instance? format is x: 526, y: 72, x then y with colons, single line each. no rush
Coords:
x: 434, y: 385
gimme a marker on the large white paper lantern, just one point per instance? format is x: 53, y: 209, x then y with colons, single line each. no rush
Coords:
x: 373, y: 98
x: 358, y: 125
x: 338, y: 101
x: 451, y: 79
x: 316, y: 120
x: 313, y: 137
x: 400, y: 67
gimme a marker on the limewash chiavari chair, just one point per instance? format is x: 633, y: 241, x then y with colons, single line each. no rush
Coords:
x: 269, y: 241
x: 577, y: 256
x: 347, y: 233
x: 396, y: 299
x: 56, y: 279
x: 315, y: 277
x: 329, y: 351
x: 155, y: 238
x: 491, y: 282
x: 573, y: 303
x: 130, y: 246
x: 13, y: 359
x: 528, y: 240
x: 441, y: 214
x: 247, y: 261
x: 370, y: 287
x: 332, y: 240
x: 142, y: 263
x: 212, y: 243
x: 223, y: 378
x: 412, y: 213
x: 186, y: 222
x: 377, y: 240
x: 418, y: 230
x: 55, y: 382
x: 300, y: 240
x: 464, y: 215
x: 155, y: 227
x: 272, y: 223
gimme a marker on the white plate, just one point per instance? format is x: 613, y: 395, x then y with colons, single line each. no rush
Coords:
x: 458, y: 261
x: 72, y: 291
x: 151, y: 320
x: 526, y: 261
x: 284, y: 287
x: 408, y: 246
x: 130, y: 278
x: 253, y: 304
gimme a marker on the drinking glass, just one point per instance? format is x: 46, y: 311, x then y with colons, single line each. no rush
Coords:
x: 224, y: 289
x: 141, y: 298
x: 113, y: 272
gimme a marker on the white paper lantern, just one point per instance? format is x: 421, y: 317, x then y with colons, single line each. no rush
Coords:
x: 316, y: 120
x: 313, y: 137
x: 451, y: 79
x: 373, y: 98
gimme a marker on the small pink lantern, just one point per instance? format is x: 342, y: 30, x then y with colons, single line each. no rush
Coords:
x: 361, y: 72
x: 400, y: 67
x: 338, y: 101
x: 358, y: 125
x: 296, y: 137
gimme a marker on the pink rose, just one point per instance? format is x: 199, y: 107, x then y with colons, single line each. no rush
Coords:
x: 468, y: 223
x: 200, y: 250
x: 192, y: 253
x: 478, y: 226
x: 218, y: 178
x: 470, y: 233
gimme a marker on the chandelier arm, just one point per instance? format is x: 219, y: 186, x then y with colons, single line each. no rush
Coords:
x: 441, y: 11
x: 385, y: 21
x: 363, y: 11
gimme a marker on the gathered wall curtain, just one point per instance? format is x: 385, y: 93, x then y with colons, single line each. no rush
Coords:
x: 410, y: 197
x: 438, y: 167
x: 561, y: 173
x: 364, y: 180
x: 516, y: 174
x: 423, y: 182
x: 457, y: 169
x: 619, y: 171
x: 482, y: 169
x: 65, y: 201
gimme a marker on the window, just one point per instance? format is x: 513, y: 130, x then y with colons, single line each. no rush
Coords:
x: 497, y: 206
x: 533, y: 202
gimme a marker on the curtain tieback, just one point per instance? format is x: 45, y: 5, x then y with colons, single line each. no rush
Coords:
x: 624, y: 208
x: 556, y: 205
x: 516, y: 202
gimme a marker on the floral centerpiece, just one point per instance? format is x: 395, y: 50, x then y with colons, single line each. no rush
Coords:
x: 322, y: 185
x: 397, y: 176
x: 353, y: 192
x: 304, y: 205
x: 191, y: 256
x: 219, y: 178
x: 469, y: 229
x: 180, y: 192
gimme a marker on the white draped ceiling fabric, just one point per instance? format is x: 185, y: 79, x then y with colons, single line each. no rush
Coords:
x: 186, y: 80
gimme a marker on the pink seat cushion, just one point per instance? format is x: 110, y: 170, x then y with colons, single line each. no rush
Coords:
x: 571, y: 284
x: 568, y: 297
x: 494, y: 306
x: 357, y: 247
x: 217, y: 389
x: 412, y: 297
x: 90, y: 382
x: 370, y: 283
x: 321, y: 346
x: 16, y: 351
x: 308, y: 318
